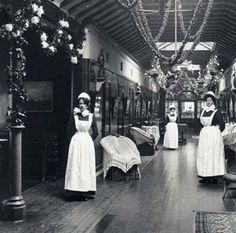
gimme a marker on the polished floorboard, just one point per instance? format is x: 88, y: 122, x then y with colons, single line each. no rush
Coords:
x: 162, y: 201
x: 166, y: 198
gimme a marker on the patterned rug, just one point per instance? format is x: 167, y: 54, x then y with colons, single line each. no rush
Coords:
x: 215, y: 222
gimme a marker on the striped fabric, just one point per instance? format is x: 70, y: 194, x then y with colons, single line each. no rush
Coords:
x: 229, y: 134
x: 140, y: 135
x: 120, y: 152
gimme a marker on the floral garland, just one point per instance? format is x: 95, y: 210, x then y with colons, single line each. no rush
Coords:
x: 164, y: 21
x: 61, y: 38
x: 194, y: 17
x: 29, y: 17
x: 160, y: 79
x: 15, y: 114
x: 142, y: 24
x: 185, y: 56
x: 127, y: 4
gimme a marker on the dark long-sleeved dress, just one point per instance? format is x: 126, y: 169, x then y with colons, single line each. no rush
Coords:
x: 210, y: 153
x: 81, y: 170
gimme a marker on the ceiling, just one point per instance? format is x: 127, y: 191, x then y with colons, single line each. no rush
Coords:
x: 117, y: 23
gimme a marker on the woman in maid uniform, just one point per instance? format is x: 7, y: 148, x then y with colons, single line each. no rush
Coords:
x: 210, y: 153
x: 171, y: 135
x: 80, y: 178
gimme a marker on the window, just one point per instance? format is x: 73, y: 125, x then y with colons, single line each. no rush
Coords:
x: 187, y: 110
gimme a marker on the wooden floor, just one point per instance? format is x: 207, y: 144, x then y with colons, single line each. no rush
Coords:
x: 163, y: 201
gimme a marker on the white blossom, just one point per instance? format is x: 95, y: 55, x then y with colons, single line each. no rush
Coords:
x: 67, y: 24
x: 64, y: 23
x: 69, y: 37
x: 80, y: 51
x: 40, y: 11
x: 52, y: 49
x: 71, y: 46
x: 60, y: 32
x: 27, y: 23
x: 74, y: 60
x: 9, y: 27
x: 43, y: 36
x: 16, y: 34
x: 35, y: 7
x: 35, y: 20
x: 44, y: 44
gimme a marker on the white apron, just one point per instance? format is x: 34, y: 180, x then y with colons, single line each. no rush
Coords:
x: 171, y: 135
x: 210, y: 153
x: 81, y: 170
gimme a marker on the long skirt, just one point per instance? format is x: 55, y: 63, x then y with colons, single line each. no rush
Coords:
x: 210, y: 153
x: 171, y: 136
x: 81, y: 171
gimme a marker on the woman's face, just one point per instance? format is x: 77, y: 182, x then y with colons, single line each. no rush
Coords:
x: 172, y: 110
x: 82, y: 105
x: 209, y: 101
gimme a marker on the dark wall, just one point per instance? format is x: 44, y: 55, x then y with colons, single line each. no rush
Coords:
x: 47, y: 125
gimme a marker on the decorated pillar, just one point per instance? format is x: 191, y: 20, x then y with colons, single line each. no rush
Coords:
x: 15, y: 204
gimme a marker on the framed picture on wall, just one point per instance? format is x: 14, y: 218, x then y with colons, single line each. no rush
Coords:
x: 127, y: 107
x: 40, y: 95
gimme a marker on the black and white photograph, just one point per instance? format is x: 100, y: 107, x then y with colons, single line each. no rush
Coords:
x: 117, y: 116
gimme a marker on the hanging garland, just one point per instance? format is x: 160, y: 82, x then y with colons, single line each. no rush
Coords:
x: 164, y: 21
x: 194, y: 19
x: 29, y: 17
x: 127, y: 4
x: 187, y: 54
x: 142, y: 24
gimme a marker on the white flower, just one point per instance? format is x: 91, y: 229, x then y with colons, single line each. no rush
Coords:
x: 27, y: 23
x: 9, y: 27
x: 16, y: 34
x: 35, y: 20
x: 44, y: 44
x: 64, y: 23
x: 61, y: 22
x: 35, y: 7
x: 60, y: 32
x: 40, y: 11
x: 43, y: 36
x: 80, y: 51
x: 69, y: 37
x: 71, y: 46
x: 52, y: 49
x: 74, y: 59
x: 67, y: 24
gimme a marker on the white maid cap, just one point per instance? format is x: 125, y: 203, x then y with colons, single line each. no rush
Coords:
x: 84, y: 95
x: 210, y: 93
x: 172, y: 106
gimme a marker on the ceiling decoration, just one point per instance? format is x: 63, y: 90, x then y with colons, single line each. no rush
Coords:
x: 184, y: 79
x: 117, y: 22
